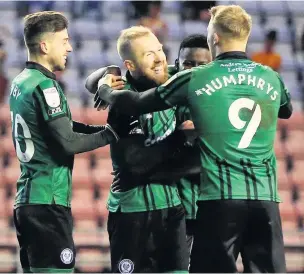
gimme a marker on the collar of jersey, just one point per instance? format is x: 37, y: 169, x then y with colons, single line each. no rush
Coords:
x: 139, y: 85
x: 232, y: 55
x: 42, y: 69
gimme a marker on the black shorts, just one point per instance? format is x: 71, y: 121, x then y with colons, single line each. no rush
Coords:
x: 226, y: 228
x: 152, y: 241
x: 44, y: 234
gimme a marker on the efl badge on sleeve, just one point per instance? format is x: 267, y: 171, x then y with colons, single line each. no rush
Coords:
x: 52, y: 97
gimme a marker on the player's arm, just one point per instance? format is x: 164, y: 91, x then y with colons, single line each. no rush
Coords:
x: 87, y: 129
x: 171, y: 93
x: 54, y: 109
x: 286, y: 108
x: 74, y: 142
x: 141, y: 159
x: 162, y: 162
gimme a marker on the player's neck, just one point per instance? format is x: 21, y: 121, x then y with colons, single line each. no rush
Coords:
x: 231, y: 46
x: 40, y: 60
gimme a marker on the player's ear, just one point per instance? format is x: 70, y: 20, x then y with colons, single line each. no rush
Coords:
x: 216, y: 39
x: 44, y: 47
x: 129, y: 65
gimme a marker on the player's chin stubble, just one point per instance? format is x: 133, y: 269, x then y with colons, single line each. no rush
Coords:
x: 159, y: 80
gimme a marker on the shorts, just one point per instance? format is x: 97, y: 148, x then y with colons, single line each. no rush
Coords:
x: 226, y: 228
x: 44, y: 234
x: 151, y: 241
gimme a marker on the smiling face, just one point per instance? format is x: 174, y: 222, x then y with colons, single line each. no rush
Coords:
x: 46, y: 38
x: 58, y: 47
x: 148, y: 59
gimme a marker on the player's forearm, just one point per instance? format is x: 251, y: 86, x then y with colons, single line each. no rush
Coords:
x: 143, y: 160
x: 87, y: 129
x: 285, y: 111
x: 73, y: 142
x: 130, y: 102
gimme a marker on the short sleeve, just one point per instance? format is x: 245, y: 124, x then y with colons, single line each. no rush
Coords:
x: 51, y: 100
x: 175, y: 90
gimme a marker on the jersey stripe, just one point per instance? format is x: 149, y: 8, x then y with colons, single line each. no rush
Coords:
x: 254, y: 180
x: 242, y: 162
x: 146, y: 197
x: 163, y: 122
x: 171, y: 195
x: 220, y: 171
x: 167, y: 195
x: 152, y: 197
x: 164, y: 119
x: 266, y: 163
x: 180, y: 191
x: 150, y: 128
x: 228, y: 180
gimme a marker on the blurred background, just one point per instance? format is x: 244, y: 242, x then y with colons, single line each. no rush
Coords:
x: 277, y: 40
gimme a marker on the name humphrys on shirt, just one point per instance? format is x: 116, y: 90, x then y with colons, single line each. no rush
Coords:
x: 238, y: 79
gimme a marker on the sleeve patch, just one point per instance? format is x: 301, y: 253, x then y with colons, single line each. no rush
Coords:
x: 52, y: 97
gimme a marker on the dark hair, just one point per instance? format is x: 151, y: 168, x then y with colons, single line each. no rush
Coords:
x: 194, y: 41
x: 272, y: 35
x: 38, y: 23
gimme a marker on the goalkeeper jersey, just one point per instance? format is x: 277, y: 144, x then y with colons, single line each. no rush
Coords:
x: 234, y: 103
x: 35, y: 99
x: 155, y: 126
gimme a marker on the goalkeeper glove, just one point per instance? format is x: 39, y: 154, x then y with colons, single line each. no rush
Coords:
x: 92, y: 83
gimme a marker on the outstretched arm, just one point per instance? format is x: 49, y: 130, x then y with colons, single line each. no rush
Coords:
x: 132, y: 103
x: 173, y: 92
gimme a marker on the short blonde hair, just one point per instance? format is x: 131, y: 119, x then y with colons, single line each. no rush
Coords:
x: 231, y: 21
x: 126, y: 36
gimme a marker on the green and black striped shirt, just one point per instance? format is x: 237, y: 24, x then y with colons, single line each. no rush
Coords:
x: 155, y: 126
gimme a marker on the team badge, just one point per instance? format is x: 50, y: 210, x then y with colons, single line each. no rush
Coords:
x: 126, y: 266
x: 52, y: 97
x: 66, y: 256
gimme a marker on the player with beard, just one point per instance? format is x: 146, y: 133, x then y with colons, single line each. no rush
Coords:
x: 146, y: 223
x: 235, y: 105
x: 46, y: 138
x: 193, y: 52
